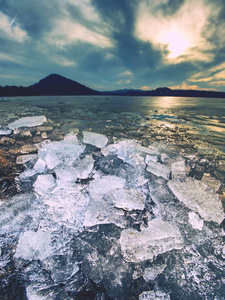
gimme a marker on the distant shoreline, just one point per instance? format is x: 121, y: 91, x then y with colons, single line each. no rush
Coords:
x: 56, y: 85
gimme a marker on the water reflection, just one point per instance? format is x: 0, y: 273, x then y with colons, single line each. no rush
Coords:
x: 168, y: 102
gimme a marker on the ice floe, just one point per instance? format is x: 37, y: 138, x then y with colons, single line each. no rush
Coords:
x: 27, y: 122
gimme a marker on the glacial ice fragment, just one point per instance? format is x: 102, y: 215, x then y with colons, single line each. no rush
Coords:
x: 28, y: 122
x: 153, y: 272
x: 101, y: 211
x: 127, y: 199
x: 158, y: 169
x: 67, y: 206
x: 5, y: 131
x: 197, y: 196
x: 103, y: 184
x: 195, y: 221
x: 34, y: 245
x: 84, y: 166
x: 65, y: 151
x: 178, y: 170
x: 44, y: 183
x: 40, y: 166
x: 159, y: 237
x: 96, y: 139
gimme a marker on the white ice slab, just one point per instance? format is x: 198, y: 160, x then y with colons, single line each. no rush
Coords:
x: 103, y: 184
x: 153, y: 272
x: 127, y: 199
x: 158, y: 169
x: 28, y: 122
x: 5, y: 131
x: 84, y: 166
x: 66, y: 205
x: 66, y: 151
x: 101, y: 211
x: 197, y: 196
x: 159, y: 237
x: 40, y: 166
x: 96, y: 139
x: 44, y: 183
x: 34, y: 245
x: 178, y: 170
x: 195, y: 221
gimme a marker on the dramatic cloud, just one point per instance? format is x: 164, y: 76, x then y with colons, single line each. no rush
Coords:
x: 114, y: 44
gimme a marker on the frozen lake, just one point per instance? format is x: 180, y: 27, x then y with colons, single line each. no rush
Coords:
x: 112, y: 198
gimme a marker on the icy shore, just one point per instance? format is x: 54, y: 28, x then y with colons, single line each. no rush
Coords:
x: 100, y: 217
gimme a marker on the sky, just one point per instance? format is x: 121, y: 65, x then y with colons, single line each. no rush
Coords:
x: 114, y: 44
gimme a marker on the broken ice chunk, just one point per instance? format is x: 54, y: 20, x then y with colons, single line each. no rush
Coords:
x: 152, y: 295
x: 213, y: 183
x: 102, y: 185
x: 159, y: 237
x: 66, y: 206
x: 149, y: 158
x: 34, y: 245
x: 127, y: 199
x: 153, y: 272
x: 51, y: 160
x: 195, y: 221
x: 96, y: 139
x: 84, y: 166
x: 28, y: 122
x: 71, y: 137
x: 66, y: 174
x: 101, y: 211
x: 197, y: 196
x: 158, y: 169
x: 44, y: 183
x: 178, y: 170
x: 66, y: 151
x: 40, y: 166
x: 5, y: 131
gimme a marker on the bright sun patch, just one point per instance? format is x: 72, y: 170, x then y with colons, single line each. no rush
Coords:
x: 177, y: 43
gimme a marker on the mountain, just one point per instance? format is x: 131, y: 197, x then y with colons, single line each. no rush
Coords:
x: 58, y: 85
x: 51, y: 85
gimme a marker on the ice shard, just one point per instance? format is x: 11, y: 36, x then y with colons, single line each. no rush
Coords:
x: 28, y: 122
x: 159, y: 237
x: 197, y: 196
x: 34, y: 245
x: 96, y: 139
x: 158, y: 169
x: 127, y: 199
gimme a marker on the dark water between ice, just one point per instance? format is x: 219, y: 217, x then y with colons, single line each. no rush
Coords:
x: 140, y: 219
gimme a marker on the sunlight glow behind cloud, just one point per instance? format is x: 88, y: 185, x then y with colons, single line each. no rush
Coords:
x: 179, y: 33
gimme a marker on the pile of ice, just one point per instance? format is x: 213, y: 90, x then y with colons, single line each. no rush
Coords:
x: 82, y: 184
